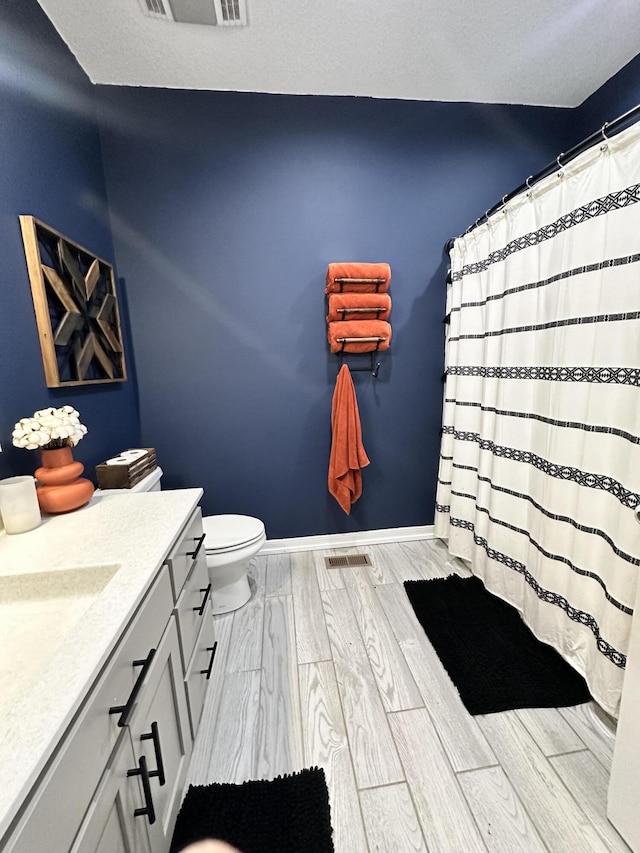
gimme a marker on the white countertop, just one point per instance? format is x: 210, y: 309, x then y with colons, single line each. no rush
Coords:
x: 132, y: 532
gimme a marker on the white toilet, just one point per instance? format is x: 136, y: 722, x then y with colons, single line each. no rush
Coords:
x: 231, y: 542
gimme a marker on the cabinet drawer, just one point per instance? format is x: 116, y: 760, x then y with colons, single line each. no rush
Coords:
x: 189, y: 546
x: 197, y: 678
x: 189, y: 606
x: 63, y: 796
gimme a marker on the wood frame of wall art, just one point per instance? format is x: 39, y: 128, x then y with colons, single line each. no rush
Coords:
x: 76, y: 306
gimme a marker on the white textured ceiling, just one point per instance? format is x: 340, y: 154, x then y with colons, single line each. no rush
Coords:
x: 547, y: 52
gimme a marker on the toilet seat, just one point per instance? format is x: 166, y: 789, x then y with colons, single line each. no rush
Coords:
x: 224, y: 533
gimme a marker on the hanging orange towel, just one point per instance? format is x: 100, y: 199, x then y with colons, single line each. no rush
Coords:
x: 338, y: 301
x: 359, y: 329
x: 348, y: 455
x: 338, y: 271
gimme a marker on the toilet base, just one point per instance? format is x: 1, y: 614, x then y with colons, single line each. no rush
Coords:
x: 224, y: 599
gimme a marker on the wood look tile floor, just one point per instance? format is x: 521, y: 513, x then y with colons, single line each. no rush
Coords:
x: 330, y: 668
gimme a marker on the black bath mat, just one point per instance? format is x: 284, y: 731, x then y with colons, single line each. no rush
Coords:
x: 493, y: 659
x: 289, y: 814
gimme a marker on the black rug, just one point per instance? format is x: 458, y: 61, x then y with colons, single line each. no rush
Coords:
x: 287, y: 815
x: 493, y: 659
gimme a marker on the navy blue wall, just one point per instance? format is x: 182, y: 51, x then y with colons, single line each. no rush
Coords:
x: 226, y: 209
x: 50, y: 167
x: 618, y: 95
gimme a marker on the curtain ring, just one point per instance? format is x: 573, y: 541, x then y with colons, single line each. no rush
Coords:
x: 561, y: 154
x: 604, y: 135
x: 527, y: 182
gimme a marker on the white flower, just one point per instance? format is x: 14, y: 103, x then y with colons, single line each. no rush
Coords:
x: 49, y: 428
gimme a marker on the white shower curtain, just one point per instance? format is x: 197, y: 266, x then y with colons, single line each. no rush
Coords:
x: 539, y: 479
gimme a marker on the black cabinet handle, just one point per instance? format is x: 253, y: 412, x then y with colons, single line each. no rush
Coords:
x: 207, y: 671
x: 125, y: 710
x: 200, y: 541
x: 154, y: 735
x: 204, y: 600
x: 141, y: 770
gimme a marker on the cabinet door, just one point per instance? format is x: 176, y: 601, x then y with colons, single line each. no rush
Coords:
x: 160, y: 732
x: 111, y: 825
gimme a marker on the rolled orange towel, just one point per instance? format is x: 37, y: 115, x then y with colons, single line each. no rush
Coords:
x: 362, y: 329
x: 335, y: 272
x: 358, y: 301
x: 348, y: 455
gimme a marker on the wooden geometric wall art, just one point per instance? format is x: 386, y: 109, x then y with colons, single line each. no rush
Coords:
x: 76, y: 305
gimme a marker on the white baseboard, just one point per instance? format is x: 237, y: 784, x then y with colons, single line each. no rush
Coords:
x: 347, y: 540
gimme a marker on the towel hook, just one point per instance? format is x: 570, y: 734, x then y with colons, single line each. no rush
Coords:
x: 374, y: 366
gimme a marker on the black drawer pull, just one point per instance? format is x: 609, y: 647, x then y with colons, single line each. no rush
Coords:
x: 154, y: 735
x: 125, y: 710
x: 207, y: 671
x: 148, y: 810
x: 204, y: 600
x: 200, y: 541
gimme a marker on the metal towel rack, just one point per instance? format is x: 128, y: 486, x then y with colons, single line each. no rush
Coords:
x: 344, y: 311
x: 374, y: 366
x: 376, y: 281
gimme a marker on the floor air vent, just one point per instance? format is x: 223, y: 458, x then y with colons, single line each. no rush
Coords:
x: 348, y: 561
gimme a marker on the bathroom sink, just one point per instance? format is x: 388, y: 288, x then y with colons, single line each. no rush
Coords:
x: 38, y: 611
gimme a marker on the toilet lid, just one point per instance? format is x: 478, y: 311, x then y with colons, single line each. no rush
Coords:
x: 228, y: 531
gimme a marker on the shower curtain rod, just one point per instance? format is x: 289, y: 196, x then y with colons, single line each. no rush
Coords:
x: 611, y: 128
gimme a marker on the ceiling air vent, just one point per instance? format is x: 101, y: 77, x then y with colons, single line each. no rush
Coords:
x: 231, y: 13
x: 212, y: 13
x: 155, y: 8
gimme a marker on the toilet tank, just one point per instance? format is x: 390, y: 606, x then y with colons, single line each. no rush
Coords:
x: 150, y: 483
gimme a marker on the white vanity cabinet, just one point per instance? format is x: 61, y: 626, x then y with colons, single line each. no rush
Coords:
x: 116, y: 779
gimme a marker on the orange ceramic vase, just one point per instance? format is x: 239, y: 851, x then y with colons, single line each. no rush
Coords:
x: 60, y: 486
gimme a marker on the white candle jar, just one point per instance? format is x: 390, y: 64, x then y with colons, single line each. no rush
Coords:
x: 19, y: 504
